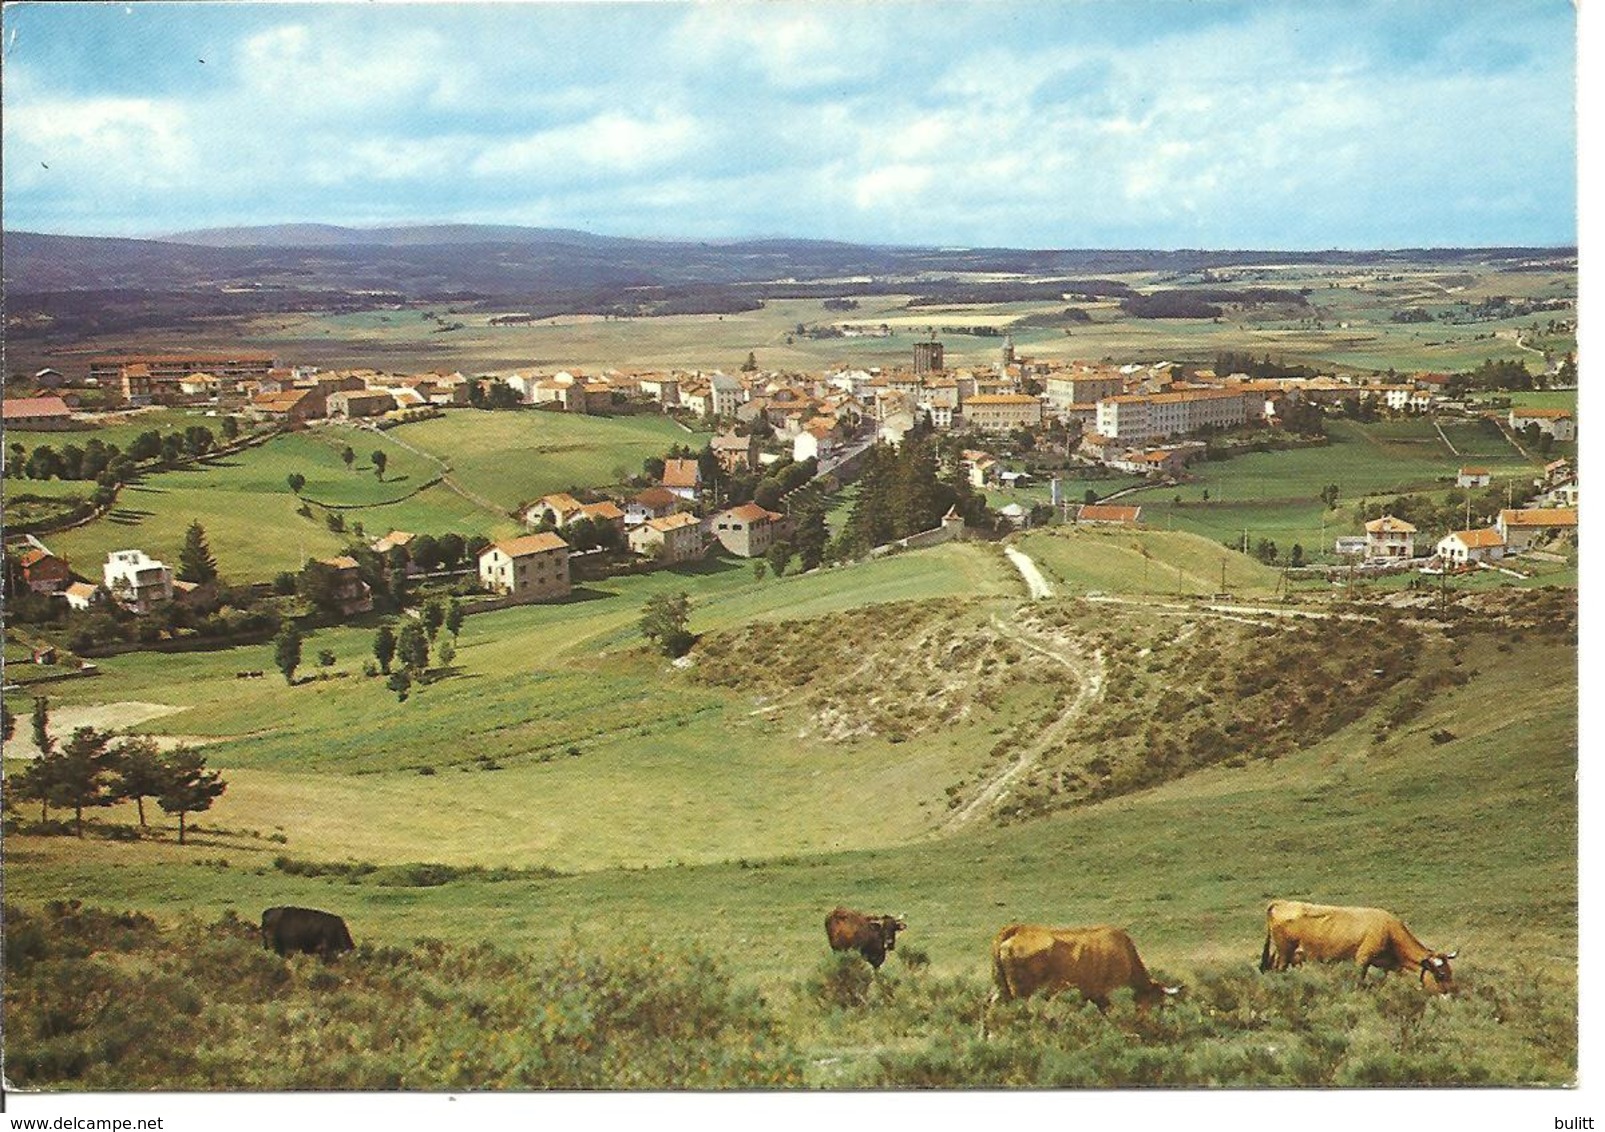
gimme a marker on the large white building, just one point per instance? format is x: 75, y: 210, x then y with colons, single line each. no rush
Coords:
x: 137, y: 581
x: 1140, y: 417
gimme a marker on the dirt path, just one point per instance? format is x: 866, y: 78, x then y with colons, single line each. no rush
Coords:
x: 1090, y: 674
x: 1034, y: 581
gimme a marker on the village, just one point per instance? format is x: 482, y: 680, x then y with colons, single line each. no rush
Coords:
x: 1148, y: 420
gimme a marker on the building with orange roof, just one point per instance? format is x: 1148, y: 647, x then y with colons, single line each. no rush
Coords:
x: 1522, y: 528
x: 1473, y: 477
x: 530, y: 568
x: 42, y: 414
x: 683, y: 477
x: 747, y: 530
x: 43, y: 572
x: 1000, y: 412
x: 669, y: 538
x: 1462, y: 548
x: 1558, y: 423
x: 1390, y: 537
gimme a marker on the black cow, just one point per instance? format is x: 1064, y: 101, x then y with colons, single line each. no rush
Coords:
x: 305, y: 929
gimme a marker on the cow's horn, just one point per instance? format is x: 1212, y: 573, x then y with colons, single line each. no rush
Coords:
x: 1451, y: 954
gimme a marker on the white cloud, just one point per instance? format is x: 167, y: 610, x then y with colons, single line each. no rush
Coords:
x: 138, y: 140
x: 611, y: 142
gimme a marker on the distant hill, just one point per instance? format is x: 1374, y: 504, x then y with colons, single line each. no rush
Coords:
x: 504, y: 260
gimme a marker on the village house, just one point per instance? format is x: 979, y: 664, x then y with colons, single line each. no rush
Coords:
x: 604, y: 513
x: 1390, y: 537
x: 1558, y: 423
x: 981, y: 468
x: 530, y: 568
x: 683, y: 478
x: 653, y: 503
x: 735, y: 453
x: 1461, y: 548
x: 1473, y: 477
x: 748, y: 530
x: 138, y: 582
x: 1523, y: 527
x: 346, y: 404
x: 816, y: 441
x: 556, y: 509
x: 350, y: 593
x: 43, y: 572
x: 662, y: 388
x: 293, y: 406
x: 671, y: 538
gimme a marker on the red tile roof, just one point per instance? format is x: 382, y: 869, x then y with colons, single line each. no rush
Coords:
x: 33, y: 408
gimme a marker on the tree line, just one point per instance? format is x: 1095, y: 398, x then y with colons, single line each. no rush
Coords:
x: 95, y: 768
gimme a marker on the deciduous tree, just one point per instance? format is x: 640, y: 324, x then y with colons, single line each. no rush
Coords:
x: 287, y: 651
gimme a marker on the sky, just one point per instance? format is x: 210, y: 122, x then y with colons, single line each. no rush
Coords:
x: 1072, y: 123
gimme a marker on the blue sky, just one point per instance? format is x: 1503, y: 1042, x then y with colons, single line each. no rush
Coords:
x: 1104, y: 123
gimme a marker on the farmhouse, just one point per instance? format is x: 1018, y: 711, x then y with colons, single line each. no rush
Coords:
x: 1558, y: 423
x: 1464, y: 547
x: 672, y: 538
x: 1389, y: 537
x: 138, y: 582
x: 350, y: 593
x: 43, y: 572
x: 557, y: 510
x: 83, y: 595
x: 41, y: 414
x: 530, y: 568
x: 748, y: 530
x: 1473, y: 477
x: 1522, y: 528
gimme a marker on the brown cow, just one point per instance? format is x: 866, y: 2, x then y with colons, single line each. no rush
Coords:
x: 1368, y: 937
x: 870, y: 936
x: 1096, y: 961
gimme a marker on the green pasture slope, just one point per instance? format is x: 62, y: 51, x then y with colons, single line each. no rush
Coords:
x: 250, y: 515
x: 513, y: 457
x: 1276, y: 495
x: 1473, y: 840
x: 558, y: 698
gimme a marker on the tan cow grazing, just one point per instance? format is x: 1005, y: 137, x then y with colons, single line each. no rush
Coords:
x: 870, y: 936
x: 1367, y: 937
x: 1096, y: 961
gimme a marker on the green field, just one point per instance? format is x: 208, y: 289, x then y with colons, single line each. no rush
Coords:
x: 1473, y: 841
x: 512, y: 458
x: 249, y: 513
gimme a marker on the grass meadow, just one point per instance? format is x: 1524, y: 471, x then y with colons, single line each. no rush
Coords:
x: 510, y: 458
x: 1472, y: 840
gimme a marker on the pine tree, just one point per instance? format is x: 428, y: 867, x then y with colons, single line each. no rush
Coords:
x: 140, y: 771
x: 189, y: 788
x: 195, y: 561
x: 86, y: 764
